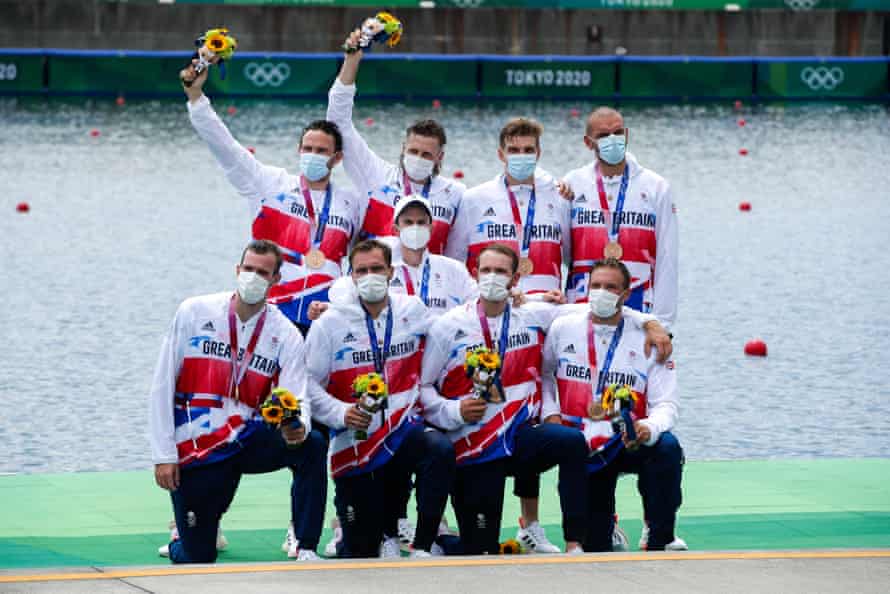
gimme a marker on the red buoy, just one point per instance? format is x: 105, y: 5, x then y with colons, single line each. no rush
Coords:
x: 738, y: 104
x: 94, y: 133
x: 458, y: 174
x: 744, y: 206
x: 743, y: 151
x: 575, y: 113
x: 231, y: 110
x: 742, y: 122
x: 22, y: 207
x: 120, y: 101
x: 369, y: 122
x: 755, y: 348
x: 251, y: 150
x: 436, y: 104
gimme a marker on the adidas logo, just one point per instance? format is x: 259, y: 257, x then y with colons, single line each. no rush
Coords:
x: 349, y: 338
x: 396, y: 282
x: 581, y: 198
x: 460, y: 334
x: 209, y: 327
x: 570, y: 349
x: 490, y: 212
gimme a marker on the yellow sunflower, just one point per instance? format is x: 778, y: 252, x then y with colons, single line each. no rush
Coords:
x: 510, y: 547
x: 376, y: 388
x: 490, y: 361
x: 288, y: 401
x: 272, y: 414
x: 217, y: 42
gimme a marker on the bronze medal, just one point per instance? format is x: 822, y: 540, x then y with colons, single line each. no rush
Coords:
x: 525, y: 266
x: 315, y: 259
x: 613, y: 250
x: 596, y: 411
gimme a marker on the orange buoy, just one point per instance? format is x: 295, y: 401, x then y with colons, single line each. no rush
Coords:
x: 755, y: 348
x: 22, y: 207
x: 231, y: 110
x: 120, y: 101
x: 742, y: 122
x: 575, y: 113
x: 94, y: 133
x: 369, y: 122
x: 744, y: 206
x: 436, y: 104
x: 743, y: 151
x: 738, y: 104
x: 251, y: 150
x: 458, y: 174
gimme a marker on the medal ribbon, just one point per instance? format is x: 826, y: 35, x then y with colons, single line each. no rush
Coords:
x: 526, y: 235
x: 406, y: 185
x: 486, y: 332
x: 613, y: 226
x: 238, y: 371
x: 424, y: 281
x: 325, y: 210
x: 610, y: 354
x: 379, y: 356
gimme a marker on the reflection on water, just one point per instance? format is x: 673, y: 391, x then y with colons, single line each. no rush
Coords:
x: 126, y: 225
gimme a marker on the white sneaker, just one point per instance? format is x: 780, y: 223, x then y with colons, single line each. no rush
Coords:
x: 420, y: 554
x: 533, y: 539
x: 290, y: 541
x: 306, y: 555
x: 406, y: 532
x: 575, y: 551
x: 330, y: 549
x: 390, y: 549
x: 436, y: 550
x: 678, y: 544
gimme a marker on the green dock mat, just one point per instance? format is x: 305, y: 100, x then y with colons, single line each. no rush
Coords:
x: 86, y: 519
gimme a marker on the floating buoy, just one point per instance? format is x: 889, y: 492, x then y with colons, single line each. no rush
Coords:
x: 755, y: 348
x: 436, y: 104
x: 742, y: 122
x: 738, y: 104
x: 94, y: 133
x: 251, y: 150
x: 231, y: 110
x: 22, y: 207
x: 575, y: 113
x: 744, y: 206
x: 458, y: 174
x: 120, y: 100
x: 743, y: 151
x: 369, y: 122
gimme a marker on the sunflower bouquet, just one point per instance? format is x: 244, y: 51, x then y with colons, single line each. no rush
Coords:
x: 482, y: 366
x: 281, y: 407
x: 214, y: 46
x: 616, y: 404
x: 370, y: 391
x: 381, y: 28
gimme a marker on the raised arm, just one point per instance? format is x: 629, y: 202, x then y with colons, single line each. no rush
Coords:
x: 366, y: 170
x: 251, y: 179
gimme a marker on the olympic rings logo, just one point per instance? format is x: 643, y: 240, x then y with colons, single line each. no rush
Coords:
x: 822, y: 78
x: 801, y: 4
x: 267, y: 73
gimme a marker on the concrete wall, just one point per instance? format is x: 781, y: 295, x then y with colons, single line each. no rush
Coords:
x: 91, y: 24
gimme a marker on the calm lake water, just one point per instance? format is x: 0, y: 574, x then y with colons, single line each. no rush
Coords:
x: 126, y: 225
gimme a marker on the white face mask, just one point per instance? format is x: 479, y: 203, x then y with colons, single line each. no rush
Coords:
x: 415, y: 237
x: 417, y: 167
x: 251, y: 287
x: 603, y: 303
x: 493, y: 287
x: 372, y: 287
